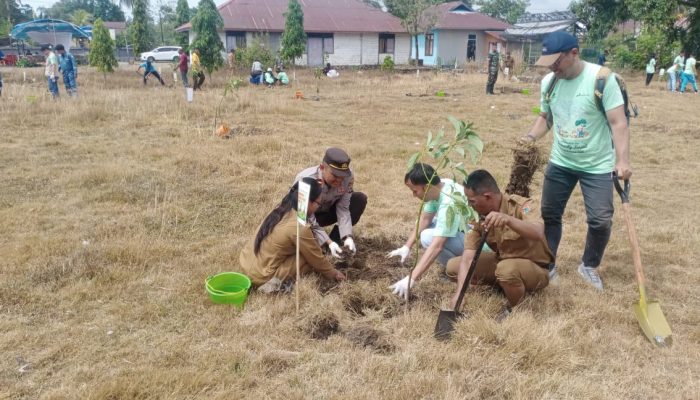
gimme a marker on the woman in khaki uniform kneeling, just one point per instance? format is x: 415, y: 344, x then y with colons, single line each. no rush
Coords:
x: 269, y: 259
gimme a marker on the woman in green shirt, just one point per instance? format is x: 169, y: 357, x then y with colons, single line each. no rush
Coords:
x: 651, y: 68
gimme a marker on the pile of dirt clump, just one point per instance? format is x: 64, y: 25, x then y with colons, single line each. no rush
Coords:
x: 321, y: 325
x: 526, y: 161
x: 367, y: 336
x: 362, y: 296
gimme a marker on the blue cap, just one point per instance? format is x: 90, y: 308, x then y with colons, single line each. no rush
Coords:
x: 553, y: 45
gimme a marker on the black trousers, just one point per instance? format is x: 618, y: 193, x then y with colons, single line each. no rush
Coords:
x: 154, y: 73
x: 649, y: 78
x: 197, y: 80
x: 358, y: 202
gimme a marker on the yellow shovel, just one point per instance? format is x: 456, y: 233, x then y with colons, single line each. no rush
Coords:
x: 651, y: 318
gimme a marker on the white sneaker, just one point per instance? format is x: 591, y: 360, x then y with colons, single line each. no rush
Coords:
x: 591, y: 276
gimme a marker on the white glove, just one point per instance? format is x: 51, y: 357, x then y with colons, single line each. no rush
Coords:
x: 335, y: 250
x: 350, y: 245
x: 402, y: 252
x: 401, y: 287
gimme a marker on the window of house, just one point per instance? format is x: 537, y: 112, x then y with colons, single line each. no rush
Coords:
x: 328, y: 44
x: 235, y: 40
x: 429, y: 44
x: 327, y: 38
x: 386, y: 43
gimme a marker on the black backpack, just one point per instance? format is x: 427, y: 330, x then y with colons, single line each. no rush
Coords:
x: 600, y: 80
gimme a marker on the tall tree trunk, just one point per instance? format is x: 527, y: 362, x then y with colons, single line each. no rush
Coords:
x: 416, y: 39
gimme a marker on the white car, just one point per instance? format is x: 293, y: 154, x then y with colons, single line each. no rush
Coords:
x: 164, y: 53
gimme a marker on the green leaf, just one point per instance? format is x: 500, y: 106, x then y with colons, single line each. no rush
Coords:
x: 474, y: 154
x: 476, y: 141
x: 457, y: 124
x: 462, y: 171
x: 460, y: 151
x: 430, y: 139
x: 450, y: 216
x: 414, y: 158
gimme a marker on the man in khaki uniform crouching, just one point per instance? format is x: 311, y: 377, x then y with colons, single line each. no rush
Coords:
x: 521, y: 258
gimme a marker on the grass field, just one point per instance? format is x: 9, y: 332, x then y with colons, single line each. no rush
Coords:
x: 115, y: 207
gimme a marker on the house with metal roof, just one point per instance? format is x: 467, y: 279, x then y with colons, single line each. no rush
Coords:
x: 530, y: 29
x: 459, y: 34
x: 342, y: 32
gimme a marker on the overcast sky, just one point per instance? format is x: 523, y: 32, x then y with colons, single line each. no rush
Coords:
x: 535, y: 5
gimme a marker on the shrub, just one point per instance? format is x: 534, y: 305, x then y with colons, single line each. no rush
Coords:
x: 25, y: 62
x: 388, y: 64
x: 255, y: 51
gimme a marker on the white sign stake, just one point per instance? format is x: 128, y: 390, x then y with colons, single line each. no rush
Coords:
x: 302, y: 207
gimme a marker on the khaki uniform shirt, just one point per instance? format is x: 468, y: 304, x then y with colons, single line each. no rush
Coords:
x: 509, y: 63
x: 278, y: 250
x: 340, y: 197
x: 506, y: 242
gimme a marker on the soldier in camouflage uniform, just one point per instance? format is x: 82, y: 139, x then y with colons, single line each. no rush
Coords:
x: 493, y: 71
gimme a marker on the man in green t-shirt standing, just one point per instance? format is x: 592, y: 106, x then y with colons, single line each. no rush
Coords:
x: 441, y: 232
x: 51, y: 69
x: 588, y: 147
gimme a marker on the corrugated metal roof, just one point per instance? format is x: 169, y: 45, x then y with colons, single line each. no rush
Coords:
x: 319, y: 16
x: 456, y: 15
x: 537, y: 29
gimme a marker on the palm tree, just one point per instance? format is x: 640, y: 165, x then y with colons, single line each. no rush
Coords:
x: 81, y: 17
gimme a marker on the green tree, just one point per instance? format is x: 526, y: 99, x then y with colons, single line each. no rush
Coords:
x: 600, y: 16
x: 139, y: 28
x: 101, y: 54
x: 81, y: 17
x: 417, y: 16
x: 294, y: 37
x: 13, y: 12
x: 506, y: 10
x: 107, y: 11
x: 205, y: 26
x: 66, y: 9
x: 182, y: 16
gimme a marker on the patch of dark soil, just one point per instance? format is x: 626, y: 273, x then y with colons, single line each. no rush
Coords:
x: 371, y: 262
x: 369, y: 337
x: 526, y: 161
x: 322, y: 325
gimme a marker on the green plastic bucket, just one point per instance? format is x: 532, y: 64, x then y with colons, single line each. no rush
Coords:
x: 228, y: 288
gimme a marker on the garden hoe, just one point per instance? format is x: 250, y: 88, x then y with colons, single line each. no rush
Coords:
x: 651, y: 318
x: 447, y: 318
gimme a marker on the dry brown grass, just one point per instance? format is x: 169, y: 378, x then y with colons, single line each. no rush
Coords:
x: 115, y: 207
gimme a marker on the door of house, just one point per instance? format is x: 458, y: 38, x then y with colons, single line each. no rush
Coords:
x: 314, y: 51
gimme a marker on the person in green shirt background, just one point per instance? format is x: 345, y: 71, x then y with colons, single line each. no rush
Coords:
x: 679, y: 64
x: 651, y: 68
x: 51, y: 69
x: 282, y: 77
x: 689, y: 74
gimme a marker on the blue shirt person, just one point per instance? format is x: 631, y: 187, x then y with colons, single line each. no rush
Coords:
x: 69, y: 68
x: 149, y: 69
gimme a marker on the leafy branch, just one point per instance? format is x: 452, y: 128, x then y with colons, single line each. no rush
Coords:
x: 449, y: 154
